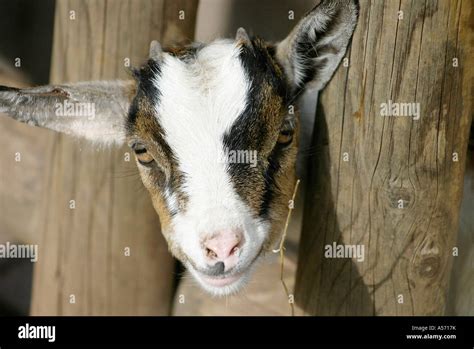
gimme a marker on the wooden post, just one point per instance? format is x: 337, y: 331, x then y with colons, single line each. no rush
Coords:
x: 391, y: 184
x: 101, y: 251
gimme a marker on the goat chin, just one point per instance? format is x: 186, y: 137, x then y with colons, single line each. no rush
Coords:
x: 226, y: 290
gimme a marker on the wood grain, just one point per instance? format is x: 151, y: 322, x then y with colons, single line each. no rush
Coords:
x: 82, y: 250
x: 408, y: 251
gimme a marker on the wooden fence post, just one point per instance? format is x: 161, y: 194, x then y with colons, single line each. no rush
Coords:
x: 101, y: 251
x: 391, y: 184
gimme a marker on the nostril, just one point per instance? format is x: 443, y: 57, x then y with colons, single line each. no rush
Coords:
x: 223, y: 245
x: 235, y: 250
x: 210, y: 253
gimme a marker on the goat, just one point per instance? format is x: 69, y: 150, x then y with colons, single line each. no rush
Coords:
x: 187, y: 113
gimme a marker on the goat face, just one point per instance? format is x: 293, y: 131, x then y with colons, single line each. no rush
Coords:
x: 214, y: 134
x: 215, y: 143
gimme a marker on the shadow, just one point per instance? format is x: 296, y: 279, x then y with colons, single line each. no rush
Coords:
x: 325, y: 286
x: 269, y: 19
x: 16, y: 280
x: 26, y: 28
x: 26, y: 32
x: 460, y: 296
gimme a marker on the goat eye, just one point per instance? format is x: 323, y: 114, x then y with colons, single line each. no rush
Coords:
x: 143, y: 156
x: 285, y: 137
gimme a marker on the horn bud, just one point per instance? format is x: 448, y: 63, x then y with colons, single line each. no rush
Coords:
x: 156, y: 51
x: 243, y: 37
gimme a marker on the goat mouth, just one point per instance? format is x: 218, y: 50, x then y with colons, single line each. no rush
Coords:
x: 223, y: 285
x: 217, y: 281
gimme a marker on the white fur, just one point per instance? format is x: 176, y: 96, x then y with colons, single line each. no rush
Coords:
x: 199, y: 103
x: 171, y: 200
x: 226, y: 290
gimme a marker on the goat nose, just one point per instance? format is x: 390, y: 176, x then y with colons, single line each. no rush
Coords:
x: 223, y: 245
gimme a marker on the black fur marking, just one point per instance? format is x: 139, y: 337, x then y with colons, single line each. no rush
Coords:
x: 270, y: 184
x: 9, y: 89
x: 147, y: 96
x: 147, y: 75
x: 146, y: 89
x: 132, y: 115
x: 271, y: 50
x: 250, y: 130
x: 306, y: 48
x: 185, y: 53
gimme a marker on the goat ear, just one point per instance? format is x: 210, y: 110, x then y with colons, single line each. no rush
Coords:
x: 92, y: 110
x: 315, y: 47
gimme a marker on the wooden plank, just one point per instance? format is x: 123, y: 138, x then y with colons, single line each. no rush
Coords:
x: 398, y: 193
x: 461, y: 297
x: 82, y: 249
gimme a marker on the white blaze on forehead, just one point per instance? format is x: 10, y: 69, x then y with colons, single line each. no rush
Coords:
x: 199, y: 102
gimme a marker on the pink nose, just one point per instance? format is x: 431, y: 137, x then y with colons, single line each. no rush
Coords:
x: 224, y: 247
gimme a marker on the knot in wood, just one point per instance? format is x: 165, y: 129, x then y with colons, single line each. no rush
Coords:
x: 429, y: 267
x: 399, y: 198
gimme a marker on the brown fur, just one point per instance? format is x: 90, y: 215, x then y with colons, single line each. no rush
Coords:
x: 148, y: 130
x: 264, y: 135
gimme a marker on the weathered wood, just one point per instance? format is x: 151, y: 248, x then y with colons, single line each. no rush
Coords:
x: 461, y: 297
x: 82, y: 250
x: 398, y: 194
